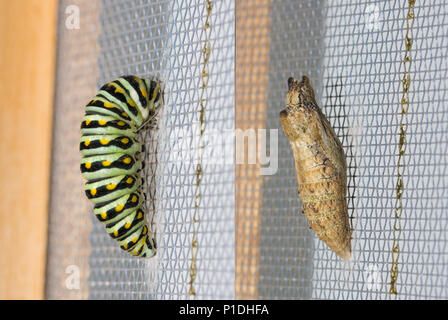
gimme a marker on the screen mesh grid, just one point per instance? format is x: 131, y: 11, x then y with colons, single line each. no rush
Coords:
x: 253, y: 242
x: 165, y: 40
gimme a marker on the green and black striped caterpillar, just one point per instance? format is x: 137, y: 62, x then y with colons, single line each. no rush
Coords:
x: 112, y: 159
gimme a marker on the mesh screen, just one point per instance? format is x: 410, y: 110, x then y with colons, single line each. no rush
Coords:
x: 224, y: 230
x: 353, y: 52
x: 190, y: 47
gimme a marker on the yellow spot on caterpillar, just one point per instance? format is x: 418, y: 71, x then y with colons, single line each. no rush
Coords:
x: 102, y: 122
x: 127, y: 225
x: 127, y: 160
x: 154, y: 95
x: 88, y: 122
x: 106, y: 163
x: 131, y: 103
x: 119, y: 207
x: 111, y: 186
x: 87, y: 142
x: 125, y: 140
x: 135, y: 240
x: 124, y: 114
x: 93, y: 192
x: 144, y: 93
x: 116, y: 233
x: 140, y: 215
x: 88, y: 165
x: 129, y: 180
x: 109, y: 105
x: 118, y: 89
x: 145, y: 230
x: 121, y: 123
x: 104, y: 141
x: 134, y: 198
x: 103, y: 215
x: 125, y: 246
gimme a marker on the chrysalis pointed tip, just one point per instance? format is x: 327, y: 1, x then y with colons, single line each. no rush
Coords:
x: 346, y: 254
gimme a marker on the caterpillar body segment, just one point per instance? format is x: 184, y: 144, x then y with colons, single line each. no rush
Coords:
x: 99, y: 124
x: 108, y: 212
x: 111, y: 188
x: 109, y: 165
x: 112, y: 159
x: 109, y: 144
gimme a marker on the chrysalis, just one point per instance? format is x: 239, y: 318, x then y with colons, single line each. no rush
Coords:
x: 320, y: 166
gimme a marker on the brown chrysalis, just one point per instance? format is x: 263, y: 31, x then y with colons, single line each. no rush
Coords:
x: 320, y: 165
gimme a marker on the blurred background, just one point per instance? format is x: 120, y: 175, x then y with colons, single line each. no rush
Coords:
x: 28, y: 33
x: 380, y: 72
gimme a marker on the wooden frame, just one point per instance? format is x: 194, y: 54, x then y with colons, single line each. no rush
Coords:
x: 27, y: 57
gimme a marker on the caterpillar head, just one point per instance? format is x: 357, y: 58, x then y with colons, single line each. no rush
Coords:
x: 300, y: 93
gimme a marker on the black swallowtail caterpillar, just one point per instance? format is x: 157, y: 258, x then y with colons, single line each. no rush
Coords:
x: 112, y: 159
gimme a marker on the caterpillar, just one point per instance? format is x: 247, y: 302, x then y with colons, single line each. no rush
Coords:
x: 320, y: 166
x: 112, y: 158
